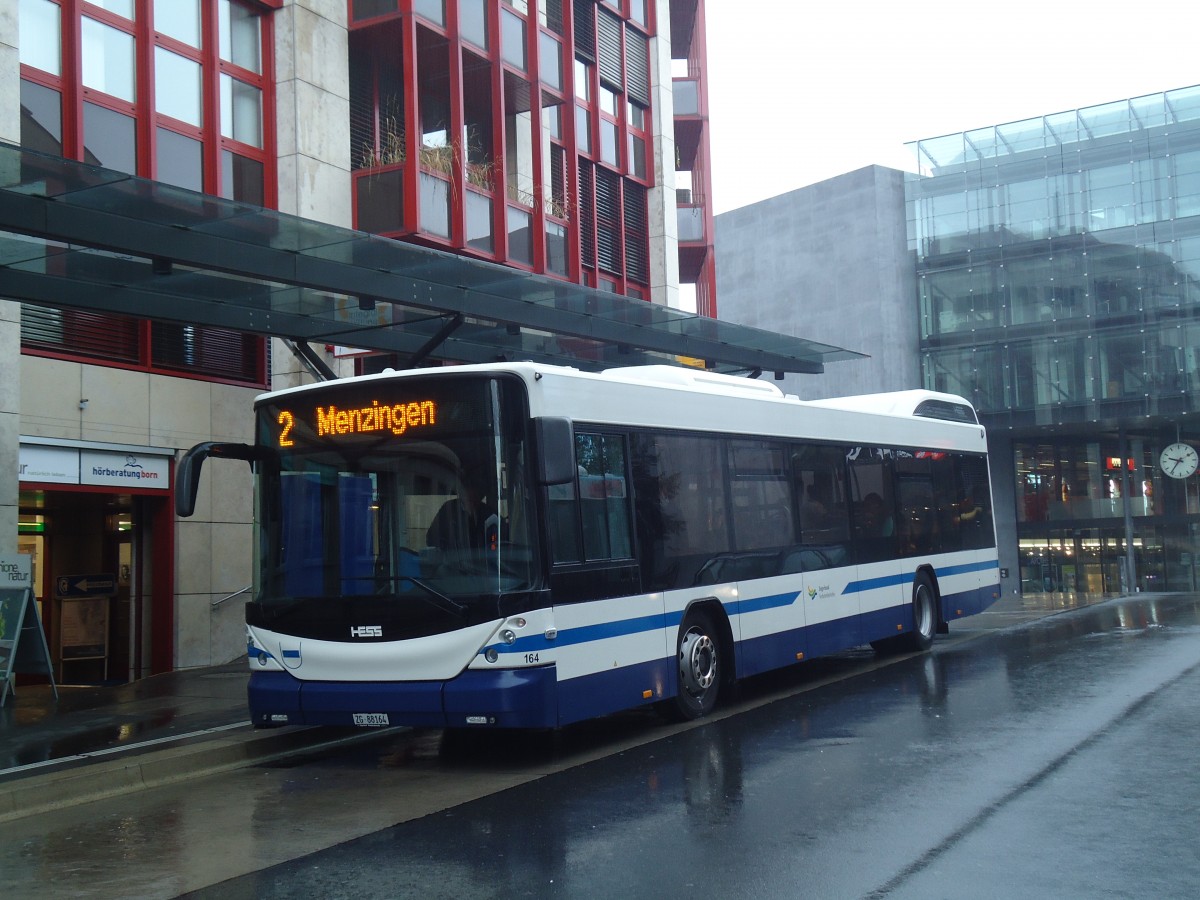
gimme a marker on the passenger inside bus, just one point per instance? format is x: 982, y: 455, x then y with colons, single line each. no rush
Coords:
x: 967, y: 510
x: 876, y: 522
x: 464, y: 522
x: 814, y: 512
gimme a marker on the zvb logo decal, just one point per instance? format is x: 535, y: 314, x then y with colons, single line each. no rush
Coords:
x: 292, y: 659
x: 362, y: 631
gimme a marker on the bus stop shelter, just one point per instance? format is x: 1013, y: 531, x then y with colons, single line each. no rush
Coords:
x: 79, y: 236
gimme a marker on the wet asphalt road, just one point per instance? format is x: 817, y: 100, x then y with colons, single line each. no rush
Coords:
x: 1058, y: 759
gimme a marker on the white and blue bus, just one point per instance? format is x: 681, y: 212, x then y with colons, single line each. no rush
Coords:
x: 526, y: 546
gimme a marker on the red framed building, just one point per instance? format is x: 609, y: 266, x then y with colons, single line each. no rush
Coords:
x: 531, y: 133
x: 560, y: 137
x: 693, y: 178
x: 181, y: 92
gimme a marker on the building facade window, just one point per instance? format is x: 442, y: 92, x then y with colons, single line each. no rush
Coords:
x: 1072, y: 497
x: 1063, y: 226
x: 1058, y: 271
x: 510, y: 101
x: 172, y: 90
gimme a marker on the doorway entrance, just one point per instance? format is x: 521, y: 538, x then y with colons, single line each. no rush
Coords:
x: 103, y: 577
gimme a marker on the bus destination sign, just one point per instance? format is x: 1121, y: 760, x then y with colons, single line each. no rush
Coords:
x: 334, y: 422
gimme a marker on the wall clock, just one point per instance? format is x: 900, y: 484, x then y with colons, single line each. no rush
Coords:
x: 1179, y: 460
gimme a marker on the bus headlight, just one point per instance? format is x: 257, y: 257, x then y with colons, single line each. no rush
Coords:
x: 491, y: 655
x: 508, y: 635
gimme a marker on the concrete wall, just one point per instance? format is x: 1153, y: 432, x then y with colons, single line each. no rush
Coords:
x: 10, y: 313
x: 1003, y: 464
x: 10, y: 428
x: 662, y: 220
x: 312, y: 134
x: 312, y: 94
x: 830, y: 263
x: 213, y: 548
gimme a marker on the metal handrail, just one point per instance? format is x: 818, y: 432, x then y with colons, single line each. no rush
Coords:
x: 217, y: 603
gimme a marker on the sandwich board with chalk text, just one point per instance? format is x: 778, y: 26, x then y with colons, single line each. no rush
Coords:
x: 23, y: 648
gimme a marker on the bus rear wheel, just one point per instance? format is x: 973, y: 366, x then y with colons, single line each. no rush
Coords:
x: 698, y: 655
x: 925, y: 614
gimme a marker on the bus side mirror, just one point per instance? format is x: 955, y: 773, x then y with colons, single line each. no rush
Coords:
x: 556, y: 450
x: 187, y: 472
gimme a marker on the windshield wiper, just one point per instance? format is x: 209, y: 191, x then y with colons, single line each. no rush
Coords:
x: 436, y: 597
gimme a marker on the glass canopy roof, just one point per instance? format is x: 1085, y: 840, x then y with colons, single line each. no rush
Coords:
x: 75, y: 235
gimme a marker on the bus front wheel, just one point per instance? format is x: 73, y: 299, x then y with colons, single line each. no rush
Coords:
x: 699, y: 661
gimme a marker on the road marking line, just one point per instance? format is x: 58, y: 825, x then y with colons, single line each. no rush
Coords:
x: 123, y: 748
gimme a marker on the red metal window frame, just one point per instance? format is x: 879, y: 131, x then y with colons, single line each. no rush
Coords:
x: 68, y: 84
x: 545, y: 208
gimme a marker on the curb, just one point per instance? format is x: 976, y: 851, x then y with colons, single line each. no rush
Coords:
x: 116, y: 777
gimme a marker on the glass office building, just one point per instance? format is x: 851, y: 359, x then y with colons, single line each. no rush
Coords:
x: 1058, y: 264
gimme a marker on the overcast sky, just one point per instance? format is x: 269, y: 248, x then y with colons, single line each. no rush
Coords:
x: 800, y: 91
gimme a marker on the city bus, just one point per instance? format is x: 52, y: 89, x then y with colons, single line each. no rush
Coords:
x: 517, y: 545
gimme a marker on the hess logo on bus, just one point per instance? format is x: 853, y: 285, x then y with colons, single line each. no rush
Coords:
x: 361, y: 631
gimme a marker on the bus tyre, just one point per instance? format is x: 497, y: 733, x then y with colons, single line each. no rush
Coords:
x: 699, y: 660
x: 925, y: 615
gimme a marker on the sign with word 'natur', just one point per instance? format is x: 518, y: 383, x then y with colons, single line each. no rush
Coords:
x: 23, y: 648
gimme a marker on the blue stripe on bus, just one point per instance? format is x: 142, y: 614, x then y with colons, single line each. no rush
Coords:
x: 870, y: 584
x: 627, y: 627
x: 586, y: 633
x: 775, y: 601
x: 604, y: 630
x: 969, y: 567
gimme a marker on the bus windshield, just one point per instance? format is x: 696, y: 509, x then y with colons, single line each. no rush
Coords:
x: 400, y: 490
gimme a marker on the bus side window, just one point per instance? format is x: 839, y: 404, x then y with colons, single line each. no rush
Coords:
x: 563, y: 523
x: 972, y: 511
x: 872, y: 482
x: 680, y: 483
x: 917, y: 525
x: 603, y: 496
x: 760, y: 495
x: 819, y: 483
x: 590, y: 516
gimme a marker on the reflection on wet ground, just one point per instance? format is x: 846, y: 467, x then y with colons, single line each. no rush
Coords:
x: 35, y: 727
x: 866, y: 786
x: 835, y: 774
x: 1015, y: 608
